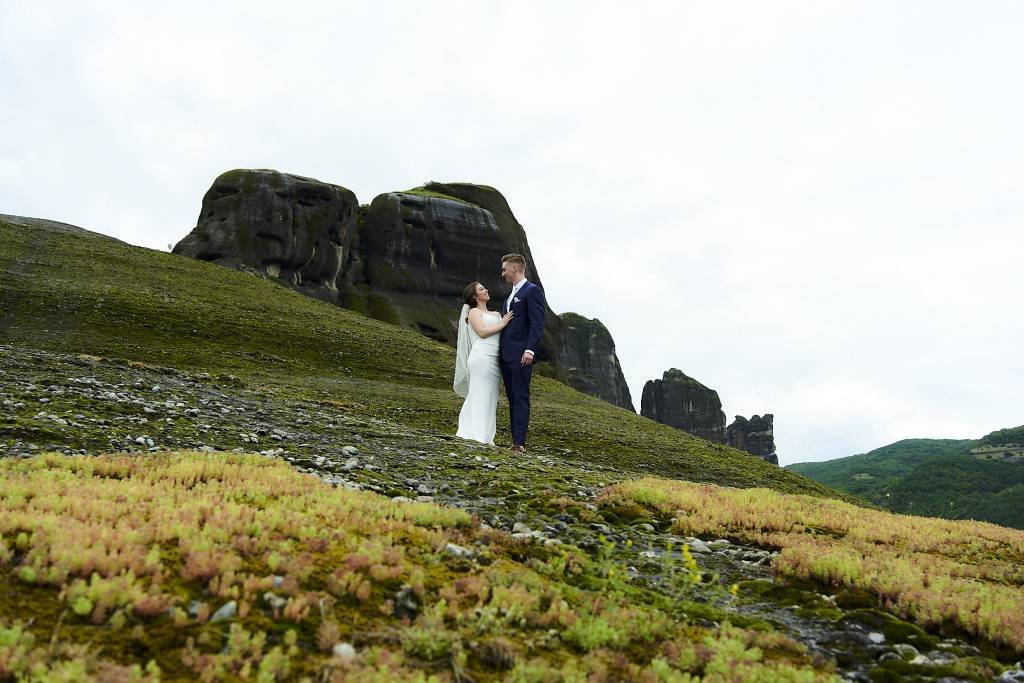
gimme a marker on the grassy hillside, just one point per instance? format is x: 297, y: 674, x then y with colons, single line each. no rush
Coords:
x: 956, y: 479
x: 957, y: 486
x: 254, y: 485
x: 874, y: 474
x: 89, y: 294
x: 1012, y: 438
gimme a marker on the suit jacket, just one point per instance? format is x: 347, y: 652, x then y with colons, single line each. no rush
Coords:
x: 527, y: 325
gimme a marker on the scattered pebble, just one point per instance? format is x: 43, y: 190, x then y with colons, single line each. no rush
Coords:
x: 344, y: 652
x: 905, y: 650
x: 698, y: 546
x: 1012, y: 675
x: 406, y: 603
x: 458, y: 551
x: 275, y: 601
x: 940, y: 657
x: 227, y: 611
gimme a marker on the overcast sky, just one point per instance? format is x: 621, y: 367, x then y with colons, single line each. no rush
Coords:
x: 815, y: 208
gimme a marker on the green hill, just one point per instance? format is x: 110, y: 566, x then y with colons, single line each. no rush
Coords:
x: 83, y: 292
x: 979, y: 479
x: 873, y: 475
x: 957, y: 486
x: 1012, y: 439
x: 256, y: 485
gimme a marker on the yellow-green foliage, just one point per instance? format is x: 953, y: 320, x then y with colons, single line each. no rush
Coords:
x: 116, y: 566
x: 22, y: 658
x: 930, y: 570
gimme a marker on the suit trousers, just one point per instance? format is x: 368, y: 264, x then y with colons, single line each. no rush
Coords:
x: 517, y: 387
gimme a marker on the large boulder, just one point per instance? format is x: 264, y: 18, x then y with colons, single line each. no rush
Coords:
x: 589, y: 361
x: 417, y: 251
x: 287, y: 227
x: 405, y: 258
x: 684, y: 403
x: 755, y: 436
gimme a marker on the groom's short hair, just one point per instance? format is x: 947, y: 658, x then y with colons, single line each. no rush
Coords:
x: 517, y: 259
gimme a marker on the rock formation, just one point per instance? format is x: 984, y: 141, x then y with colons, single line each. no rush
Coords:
x: 755, y: 436
x: 418, y: 250
x: 282, y: 226
x: 404, y: 259
x: 589, y: 361
x: 684, y: 403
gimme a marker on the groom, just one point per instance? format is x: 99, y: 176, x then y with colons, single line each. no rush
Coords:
x: 519, y: 341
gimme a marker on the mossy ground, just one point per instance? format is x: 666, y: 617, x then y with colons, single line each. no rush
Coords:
x: 87, y: 294
x: 138, y: 555
x: 106, y: 344
x: 949, y: 576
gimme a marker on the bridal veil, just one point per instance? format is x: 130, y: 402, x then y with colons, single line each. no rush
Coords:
x: 463, y: 348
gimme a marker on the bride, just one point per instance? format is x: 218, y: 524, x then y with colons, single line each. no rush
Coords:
x: 476, y: 364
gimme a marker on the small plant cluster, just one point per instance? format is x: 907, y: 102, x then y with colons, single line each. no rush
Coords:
x: 22, y: 658
x: 929, y: 570
x: 234, y: 566
x: 126, y: 541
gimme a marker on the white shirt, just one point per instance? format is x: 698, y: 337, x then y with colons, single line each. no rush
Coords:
x: 508, y: 302
x: 515, y: 288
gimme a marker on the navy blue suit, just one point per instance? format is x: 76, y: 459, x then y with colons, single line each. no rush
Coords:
x: 524, y: 332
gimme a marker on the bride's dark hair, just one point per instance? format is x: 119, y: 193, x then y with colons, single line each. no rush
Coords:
x: 469, y: 294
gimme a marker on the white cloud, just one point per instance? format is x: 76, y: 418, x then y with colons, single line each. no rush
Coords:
x: 815, y: 209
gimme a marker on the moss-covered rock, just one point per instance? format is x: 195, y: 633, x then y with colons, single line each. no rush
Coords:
x: 293, y: 229
x: 405, y: 258
x: 419, y: 249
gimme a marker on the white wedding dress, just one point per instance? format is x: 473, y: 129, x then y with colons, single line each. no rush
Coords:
x: 477, y: 378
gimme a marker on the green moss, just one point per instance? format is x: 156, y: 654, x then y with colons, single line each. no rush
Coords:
x: 423, y: 192
x: 972, y: 669
x: 855, y: 598
x: 802, y: 595
x: 88, y: 294
x: 895, y: 630
x: 276, y: 521
x: 355, y: 300
x: 380, y: 308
